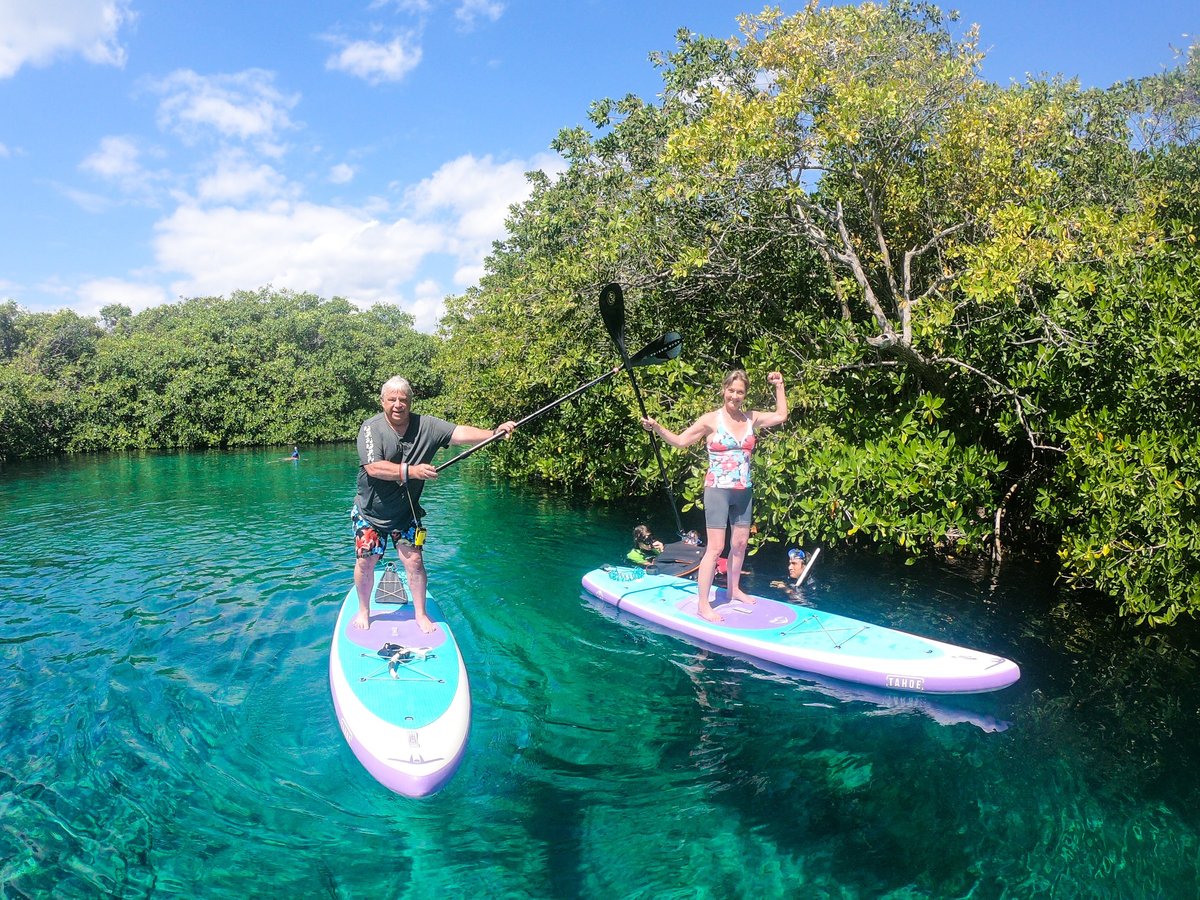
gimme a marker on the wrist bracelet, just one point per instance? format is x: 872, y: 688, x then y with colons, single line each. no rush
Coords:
x: 403, y: 472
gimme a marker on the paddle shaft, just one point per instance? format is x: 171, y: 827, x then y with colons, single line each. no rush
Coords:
x: 533, y: 415
x: 808, y: 566
x: 612, y: 311
x: 662, y: 469
x: 657, y: 351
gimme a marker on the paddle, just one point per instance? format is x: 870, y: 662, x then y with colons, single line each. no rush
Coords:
x: 657, y: 351
x: 612, y: 311
x: 808, y: 566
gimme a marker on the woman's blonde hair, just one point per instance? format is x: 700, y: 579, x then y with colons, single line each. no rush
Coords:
x: 736, y: 375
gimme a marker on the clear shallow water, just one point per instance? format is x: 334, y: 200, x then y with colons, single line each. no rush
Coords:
x: 167, y: 727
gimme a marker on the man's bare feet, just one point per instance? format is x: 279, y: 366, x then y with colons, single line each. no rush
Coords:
x: 426, y: 624
x: 362, y: 620
x: 705, y: 611
x: 742, y: 597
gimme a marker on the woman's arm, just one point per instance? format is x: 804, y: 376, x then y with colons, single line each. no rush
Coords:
x: 687, y: 437
x: 780, y: 414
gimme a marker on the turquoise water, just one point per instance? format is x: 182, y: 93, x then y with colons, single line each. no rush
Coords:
x: 167, y: 727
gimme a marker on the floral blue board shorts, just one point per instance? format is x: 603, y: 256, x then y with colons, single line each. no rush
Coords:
x: 369, y: 542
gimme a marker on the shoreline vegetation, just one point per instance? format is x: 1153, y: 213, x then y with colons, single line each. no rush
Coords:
x: 983, y: 298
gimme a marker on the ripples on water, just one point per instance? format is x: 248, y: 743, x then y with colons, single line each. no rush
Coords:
x: 167, y: 727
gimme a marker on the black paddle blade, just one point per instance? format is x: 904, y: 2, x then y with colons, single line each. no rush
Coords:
x: 612, y: 310
x: 658, y: 351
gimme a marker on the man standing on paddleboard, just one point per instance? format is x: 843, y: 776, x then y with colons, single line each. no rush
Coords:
x: 395, y: 450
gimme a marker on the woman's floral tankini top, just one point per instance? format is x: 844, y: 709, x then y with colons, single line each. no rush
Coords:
x: 729, y: 456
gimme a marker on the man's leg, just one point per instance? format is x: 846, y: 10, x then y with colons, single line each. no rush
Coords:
x: 369, y: 546
x: 418, y: 581
x: 364, y: 581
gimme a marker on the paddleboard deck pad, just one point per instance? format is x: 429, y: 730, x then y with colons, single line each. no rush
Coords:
x: 804, y: 639
x: 402, y: 696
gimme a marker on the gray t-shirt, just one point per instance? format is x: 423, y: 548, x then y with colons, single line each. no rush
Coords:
x: 386, y: 504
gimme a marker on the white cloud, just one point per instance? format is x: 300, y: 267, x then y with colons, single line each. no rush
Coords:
x: 117, y: 158
x: 472, y: 197
x: 237, y: 179
x: 4, y: 152
x: 470, y: 10
x: 367, y: 253
x: 302, y: 246
x: 38, y: 32
x: 243, y: 106
x: 95, y: 295
x: 465, y: 276
x: 427, y: 305
x: 341, y: 173
x: 86, y: 200
x: 240, y: 115
x: 374, y: 62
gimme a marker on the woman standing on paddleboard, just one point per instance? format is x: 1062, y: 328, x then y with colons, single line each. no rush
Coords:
x: 728, y: 492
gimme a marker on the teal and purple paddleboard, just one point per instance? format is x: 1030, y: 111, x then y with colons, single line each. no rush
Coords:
x: 402, y: 696
x: 804, y: 639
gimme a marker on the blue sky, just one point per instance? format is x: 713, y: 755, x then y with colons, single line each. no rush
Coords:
x: 157, y: 149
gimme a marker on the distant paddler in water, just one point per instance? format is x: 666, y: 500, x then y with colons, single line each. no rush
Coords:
x: 395, y: 449
x: 731, y: 433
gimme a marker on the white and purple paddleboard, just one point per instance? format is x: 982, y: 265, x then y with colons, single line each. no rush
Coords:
x: 402, y: 696
x: 804, y: 639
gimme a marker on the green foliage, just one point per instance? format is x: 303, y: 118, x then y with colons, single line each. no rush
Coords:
x: 266, y: 367
x: 35, y: 415
x: 958, y: 280
x: 1125, y: 498
x: 1127, y: 503
x: 910, y: 488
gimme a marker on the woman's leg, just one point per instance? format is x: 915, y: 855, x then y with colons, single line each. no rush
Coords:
x: 737, y: 553
x: 708, y: 568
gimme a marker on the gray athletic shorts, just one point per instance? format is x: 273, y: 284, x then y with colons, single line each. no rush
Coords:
x: 727, y: 506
